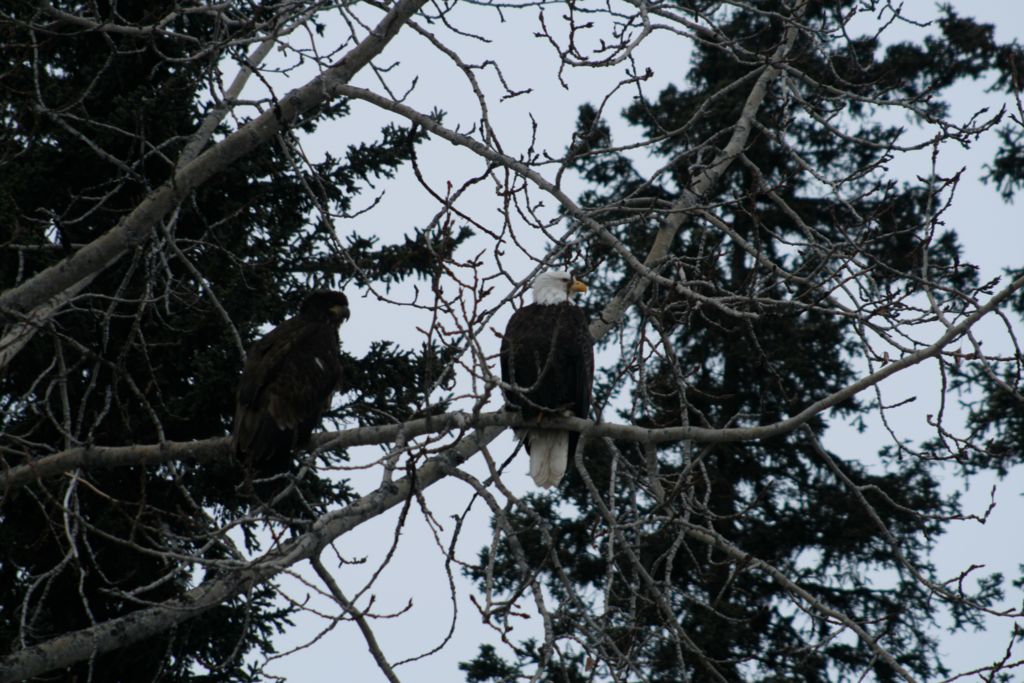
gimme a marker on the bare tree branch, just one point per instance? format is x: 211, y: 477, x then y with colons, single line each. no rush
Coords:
x: 109, y: 635
x: 138, y: 224
x: 113, y: 456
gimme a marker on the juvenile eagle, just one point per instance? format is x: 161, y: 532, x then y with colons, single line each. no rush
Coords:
x: 547, y: 356
x: 287, y: 383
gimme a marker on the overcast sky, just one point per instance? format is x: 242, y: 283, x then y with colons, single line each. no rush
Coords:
x: 988, y: 228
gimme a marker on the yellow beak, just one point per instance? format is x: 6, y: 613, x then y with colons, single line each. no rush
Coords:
x: 577, y: 286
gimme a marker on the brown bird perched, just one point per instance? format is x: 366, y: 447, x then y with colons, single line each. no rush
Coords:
x: 547, y: 356
x: 287, y: 383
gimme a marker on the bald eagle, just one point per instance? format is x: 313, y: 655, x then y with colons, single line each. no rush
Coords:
x: 287, y: 383
x: 547, y: 359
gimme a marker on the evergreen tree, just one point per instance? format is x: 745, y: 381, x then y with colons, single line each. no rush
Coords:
x: 92, y: 122
x: 654, y: 567
x: 705, y: 530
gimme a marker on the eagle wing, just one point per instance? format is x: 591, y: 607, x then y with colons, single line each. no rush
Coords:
x: 579, y: 344
x: 505, y: 357
x: 576, y: 346
x: 525, y: 350
x: 265, y: 357
x: 287, y: 382
x: 554, y: 344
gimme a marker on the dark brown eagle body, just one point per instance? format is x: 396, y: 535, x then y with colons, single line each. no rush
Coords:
x: 287, y: 383
x: 547, y: 353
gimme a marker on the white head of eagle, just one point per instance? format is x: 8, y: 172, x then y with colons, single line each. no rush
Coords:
x: 547, y: 365
x: 556, y: 287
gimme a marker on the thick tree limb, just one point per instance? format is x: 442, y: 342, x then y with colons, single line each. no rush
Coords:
x: 15, y: 339
x: 134, y: 228
x: 702, y: 184
x: 21, y: 333
x: 69, y: 648
x: 208, y: 449
x: 220, y: 447
x: 479, y: 430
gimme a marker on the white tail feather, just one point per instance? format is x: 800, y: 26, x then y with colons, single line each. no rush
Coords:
x: 549, y: 455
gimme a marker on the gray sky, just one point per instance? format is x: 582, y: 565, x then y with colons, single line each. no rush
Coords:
x: 988, y: 228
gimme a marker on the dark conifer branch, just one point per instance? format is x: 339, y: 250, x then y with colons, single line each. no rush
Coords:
x: 772, y: 263
x: 204, y: 450
x: 59, y: 652
x: 137, y: 226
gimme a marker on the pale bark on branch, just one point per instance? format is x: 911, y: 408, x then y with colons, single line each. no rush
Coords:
x: 110, y: 635
x: 471, y: 432
x: 19, y: 334
x: 134, y: 228
x: 208, y: 449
